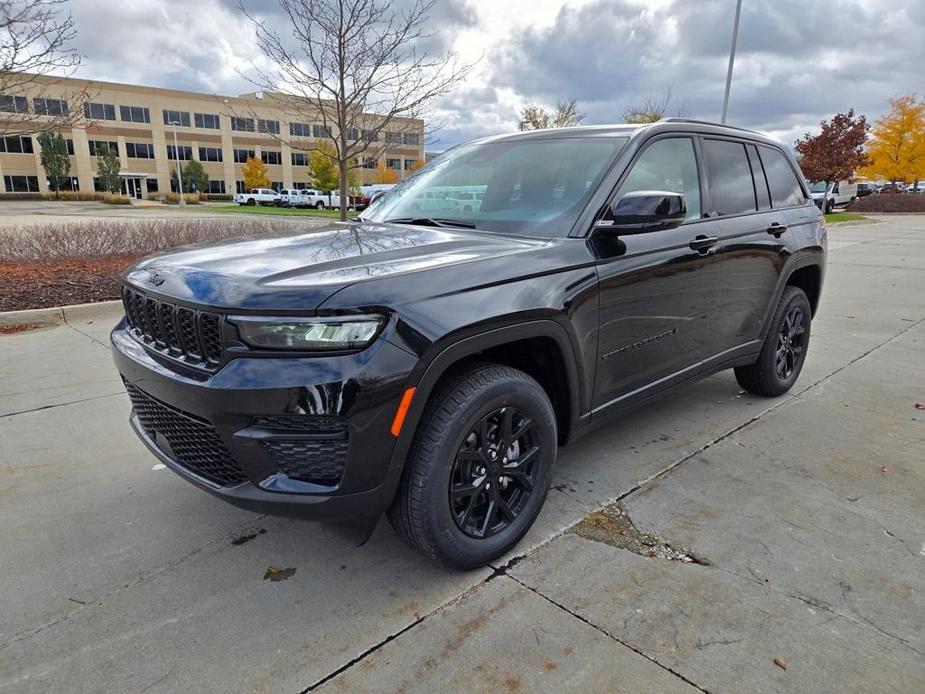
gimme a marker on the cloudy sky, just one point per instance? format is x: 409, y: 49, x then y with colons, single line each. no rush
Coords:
x: 797, y: 61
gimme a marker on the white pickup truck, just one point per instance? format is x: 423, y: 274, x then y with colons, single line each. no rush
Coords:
x: 295, y: 197
x: 258, y: 196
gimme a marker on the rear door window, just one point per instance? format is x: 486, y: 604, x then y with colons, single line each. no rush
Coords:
x: 786, y: 190
x: 761, y: 181
x: 732, y: 190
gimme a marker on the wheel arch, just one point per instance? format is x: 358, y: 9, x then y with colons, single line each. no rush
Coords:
x: 540, y: 348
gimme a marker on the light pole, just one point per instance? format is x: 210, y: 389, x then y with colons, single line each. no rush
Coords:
x: 732, y: 58
x: 176, y: 154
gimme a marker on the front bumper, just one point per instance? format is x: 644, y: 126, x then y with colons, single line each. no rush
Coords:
x: 248, y: 432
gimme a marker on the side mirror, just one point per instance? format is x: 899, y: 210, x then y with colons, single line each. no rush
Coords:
x: 642, y: 211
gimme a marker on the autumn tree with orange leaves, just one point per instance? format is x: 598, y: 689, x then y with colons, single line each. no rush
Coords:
x: 255, y: 174
x: 897, y: 146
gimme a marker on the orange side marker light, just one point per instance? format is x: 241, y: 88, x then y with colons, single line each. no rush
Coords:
x: 402, y: 411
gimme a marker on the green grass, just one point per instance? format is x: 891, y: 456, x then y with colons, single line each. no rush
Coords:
x: 844, y: 217
x: 278, y: 211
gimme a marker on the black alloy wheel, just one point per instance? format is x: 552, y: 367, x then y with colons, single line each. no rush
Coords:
x: 494, y: 473
x: 790, y: 342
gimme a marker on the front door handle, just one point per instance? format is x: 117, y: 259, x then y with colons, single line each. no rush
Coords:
x: 776, y: 229
x: 702, y: 243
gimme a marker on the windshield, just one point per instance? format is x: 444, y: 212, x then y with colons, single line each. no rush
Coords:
x: 534, y: 187
x: 818, y: 187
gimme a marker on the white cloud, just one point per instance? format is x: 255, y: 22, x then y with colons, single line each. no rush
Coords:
x: 797, y: 62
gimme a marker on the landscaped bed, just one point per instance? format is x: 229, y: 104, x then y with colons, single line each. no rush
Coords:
x: 60, y: 264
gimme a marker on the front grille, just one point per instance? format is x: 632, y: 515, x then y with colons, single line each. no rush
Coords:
x: 177, y: 331
x: 319, y: 459
x: 193, y: 442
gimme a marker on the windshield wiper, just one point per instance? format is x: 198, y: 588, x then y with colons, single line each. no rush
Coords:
x: 431, y: 222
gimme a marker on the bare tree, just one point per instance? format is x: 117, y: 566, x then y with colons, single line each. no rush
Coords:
x: 533, y: 117
x: 343, y: 59
x: 654, y: 107
x: 35, y: 52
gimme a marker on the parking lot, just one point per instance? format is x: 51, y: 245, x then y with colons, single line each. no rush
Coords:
x: 789, y: 536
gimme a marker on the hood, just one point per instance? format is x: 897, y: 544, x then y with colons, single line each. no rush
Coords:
x: 298, y: 271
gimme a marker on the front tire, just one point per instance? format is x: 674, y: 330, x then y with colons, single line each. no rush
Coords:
x: 784, y: 350
x: 319, y: 205
x: 479, y: 468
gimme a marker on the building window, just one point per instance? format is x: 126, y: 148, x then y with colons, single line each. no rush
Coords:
x: 96, y: 111
x: 268, y: 126
x: 152, y: 185
x: 49, y: 107
x: 300, y: 185
x: 277, y: 186
x: 371, y: 135
x: 239, y: 187
x: 393, y: 164
x: 242, y: 155
x: 299, y: 159
x: 353, y: 134
x: 411, y: 139
x: 393, y: 138
x: 210, y: 154
x: 72, y: 184
x: 207, y: 120
x: 139, y: 150
x: 70, y: 146
x: 216, y: 187
x: 14, y: 104
x: 370, y: 162
x: 244, y: 125
x: 321, y: 131
x: 97, y: 145
x: 134, y: 114
x: 21, y: 184
x: 16, y: 144
x: 300, y: 130
x: 409, y: 164
x: 178, y: 117
x: 186, y: 152
x: 271, y: 157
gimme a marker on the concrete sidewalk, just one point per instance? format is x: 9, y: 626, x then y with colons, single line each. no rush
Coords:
x: 806, y: 515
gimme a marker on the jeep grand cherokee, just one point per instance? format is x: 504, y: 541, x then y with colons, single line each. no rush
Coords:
x: 426, y: 362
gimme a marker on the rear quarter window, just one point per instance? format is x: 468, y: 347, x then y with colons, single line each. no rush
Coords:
x: 785, y: 188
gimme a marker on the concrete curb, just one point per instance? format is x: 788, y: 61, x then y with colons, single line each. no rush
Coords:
x: 75, y: 313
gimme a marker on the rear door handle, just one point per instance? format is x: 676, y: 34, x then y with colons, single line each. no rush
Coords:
x: 776, y: 229
x: 703, y: 243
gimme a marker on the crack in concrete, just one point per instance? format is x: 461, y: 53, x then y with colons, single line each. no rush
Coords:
x: 139, y: 579
x: 62, y: 404
x: 609, y: 635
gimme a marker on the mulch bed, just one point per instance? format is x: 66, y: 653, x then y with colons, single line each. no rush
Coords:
x: 40, y: 284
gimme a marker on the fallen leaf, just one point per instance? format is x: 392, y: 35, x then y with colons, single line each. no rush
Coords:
x: 883, y: 468
x: 781, y: 663
x: 920, y: 405
x: 276, y: 574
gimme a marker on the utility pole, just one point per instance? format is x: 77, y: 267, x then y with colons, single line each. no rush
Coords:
x: 732, y: 58
x: 176, y: 153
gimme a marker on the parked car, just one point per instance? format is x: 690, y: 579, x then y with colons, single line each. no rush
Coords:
x: 865, y: 189
x: 429, y: 367
x: 893, y: 188
x: 916, y: 188
x: 258, y: 196
x: 839, y: 193
x: 299, y: 197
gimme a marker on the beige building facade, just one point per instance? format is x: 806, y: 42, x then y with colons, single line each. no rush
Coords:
x: 220, y: 132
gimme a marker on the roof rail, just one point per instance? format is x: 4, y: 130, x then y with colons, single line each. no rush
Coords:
x: 678, y: 119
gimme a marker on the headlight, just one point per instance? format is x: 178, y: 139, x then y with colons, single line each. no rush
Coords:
x: 331, y: 334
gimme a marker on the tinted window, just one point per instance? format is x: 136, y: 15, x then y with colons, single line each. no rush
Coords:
x: 731, y: 187
x: 786, y: 190
x: 761, y: 182
x: 535, y: 187
x: 671, y: 165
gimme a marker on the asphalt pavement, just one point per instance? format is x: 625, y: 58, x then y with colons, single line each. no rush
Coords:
x: 760, y: 545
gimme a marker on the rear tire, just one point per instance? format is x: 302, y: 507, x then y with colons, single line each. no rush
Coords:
x: 478, y: 418
x: 784, y: 350
x: 319, y: 205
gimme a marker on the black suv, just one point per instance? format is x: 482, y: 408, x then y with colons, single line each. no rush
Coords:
x: 426, y: 359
